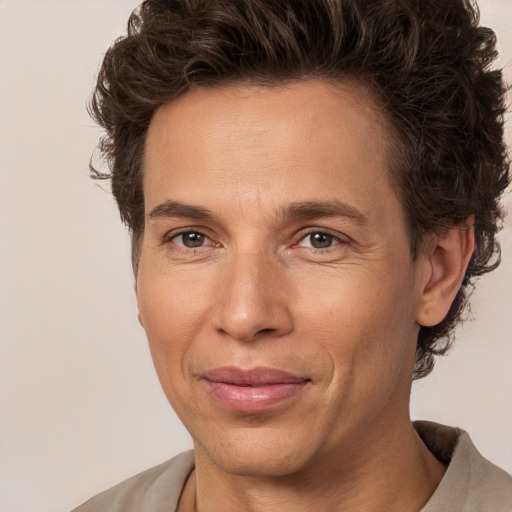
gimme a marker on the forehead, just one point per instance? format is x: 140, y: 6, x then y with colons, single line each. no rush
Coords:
x: 299, y: 106
x: 307, y: 140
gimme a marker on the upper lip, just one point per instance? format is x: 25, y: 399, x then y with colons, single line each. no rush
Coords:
x: 259, y: 376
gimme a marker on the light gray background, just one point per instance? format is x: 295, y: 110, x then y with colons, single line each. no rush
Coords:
x: 80, y: 406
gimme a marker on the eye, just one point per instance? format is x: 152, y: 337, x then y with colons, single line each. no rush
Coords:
x: 191, y: 239
x: 319, y: 240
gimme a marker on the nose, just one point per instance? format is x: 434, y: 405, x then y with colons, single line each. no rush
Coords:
x: 253, y: 299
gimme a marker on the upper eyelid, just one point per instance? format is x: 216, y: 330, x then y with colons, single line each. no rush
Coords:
x: 172, y: 233
x: 326, y: 231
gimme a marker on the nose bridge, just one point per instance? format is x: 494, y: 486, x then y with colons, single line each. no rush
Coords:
x: 252, y: 297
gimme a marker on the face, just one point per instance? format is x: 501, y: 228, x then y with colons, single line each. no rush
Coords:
x: 275, y: 282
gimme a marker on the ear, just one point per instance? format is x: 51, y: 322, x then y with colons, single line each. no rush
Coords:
x: 445, y: 262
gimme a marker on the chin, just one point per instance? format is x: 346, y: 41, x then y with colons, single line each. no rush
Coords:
x: 257, y: 455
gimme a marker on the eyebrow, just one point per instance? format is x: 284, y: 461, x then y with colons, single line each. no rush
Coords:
x: 169, y: 209
x: 300, y: 210
x: 310, y: 210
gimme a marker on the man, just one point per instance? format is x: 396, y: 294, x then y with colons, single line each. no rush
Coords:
x: 311, y: 187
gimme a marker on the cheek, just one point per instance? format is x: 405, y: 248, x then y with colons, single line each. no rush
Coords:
x: 364, y: 322
x: 171, y: 312
x: 168, y: 301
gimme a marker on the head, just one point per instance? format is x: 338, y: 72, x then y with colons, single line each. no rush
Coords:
x: 425, y: 66
x: 311, y: 186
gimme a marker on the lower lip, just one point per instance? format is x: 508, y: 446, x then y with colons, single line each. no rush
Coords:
x: 250, y: 399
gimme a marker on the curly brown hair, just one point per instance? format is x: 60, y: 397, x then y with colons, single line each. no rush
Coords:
x: 428, y: 62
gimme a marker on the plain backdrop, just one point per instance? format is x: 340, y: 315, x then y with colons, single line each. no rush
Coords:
x: 80, y: 405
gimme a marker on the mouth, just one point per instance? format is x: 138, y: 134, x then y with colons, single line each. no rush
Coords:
x: 253, y: 390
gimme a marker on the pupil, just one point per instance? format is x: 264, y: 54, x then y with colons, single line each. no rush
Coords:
x: 193, y: 239
x: 321, y: 240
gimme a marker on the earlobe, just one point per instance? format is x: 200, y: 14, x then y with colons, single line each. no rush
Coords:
x: 446, y: 261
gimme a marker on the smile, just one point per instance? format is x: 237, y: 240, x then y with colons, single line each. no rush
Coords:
x: 254, y: 390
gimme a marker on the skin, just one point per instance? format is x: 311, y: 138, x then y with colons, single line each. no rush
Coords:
x: 256, y: 292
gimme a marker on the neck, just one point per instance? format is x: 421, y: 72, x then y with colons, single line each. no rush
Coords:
x: 386, y: 469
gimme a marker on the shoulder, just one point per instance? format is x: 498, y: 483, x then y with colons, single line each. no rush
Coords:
x: 489, y: 485
x: 471, y: 482
x: 153, y: 490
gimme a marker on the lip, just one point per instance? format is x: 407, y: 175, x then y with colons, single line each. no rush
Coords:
x: 253, y: 390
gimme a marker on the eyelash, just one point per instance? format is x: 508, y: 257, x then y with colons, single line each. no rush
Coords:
x: 170, y: 238
x: 336, y: 239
